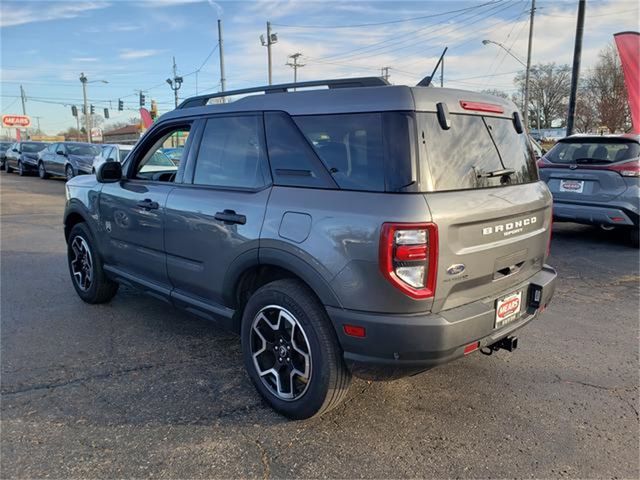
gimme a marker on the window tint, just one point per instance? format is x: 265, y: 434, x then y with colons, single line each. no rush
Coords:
x: 80, y: 149
x: 350, y: 146
x: 33, y: 147
x: 593, y: 151
x: 231, y: 153
x: 457, y: 158
x: 293, y: 162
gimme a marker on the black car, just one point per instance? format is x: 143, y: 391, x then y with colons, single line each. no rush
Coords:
x: 68, y: 159
x: 23, y: 157
x: 4, y: 146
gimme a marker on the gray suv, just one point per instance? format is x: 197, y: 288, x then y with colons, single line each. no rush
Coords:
x: 595, y: 180
x: 361, y: 229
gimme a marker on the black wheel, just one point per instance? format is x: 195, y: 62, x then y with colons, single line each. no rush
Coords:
x: 68, y: 172
x: 634, y: 237
x: 291, y: 352
x: 2, y: 165
x: 85, y: 267
x: 42, y: 172
x: 8, y: 169
x: 21, y: 170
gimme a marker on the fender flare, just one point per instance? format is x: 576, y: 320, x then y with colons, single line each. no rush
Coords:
x: 283, y: 259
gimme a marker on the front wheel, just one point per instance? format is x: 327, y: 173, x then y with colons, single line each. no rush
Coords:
x: 21, y: 170
x: 291, y: 352
x: 7, y: 168
x: 85, y: 267
x: 42, y: 172
x: 68, y: 172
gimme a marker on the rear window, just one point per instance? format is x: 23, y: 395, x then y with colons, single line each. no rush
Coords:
x: 593, y: 151
x: 87, y: 150
x: 473, y: 153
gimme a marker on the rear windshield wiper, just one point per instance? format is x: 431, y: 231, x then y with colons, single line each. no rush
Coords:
x: 496, y: 173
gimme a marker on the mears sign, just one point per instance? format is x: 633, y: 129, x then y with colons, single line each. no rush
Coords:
x: 16, y: 121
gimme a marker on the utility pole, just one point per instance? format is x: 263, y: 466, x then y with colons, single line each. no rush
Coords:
x: 295, y: 65
x: 175, y: 83
x: 577, y: 53
x: 525, y: 113
x: 23, y: 96
x: 270, y: 40
x: 223, y: 80
x: 384, y: 72
x: 87, y: 124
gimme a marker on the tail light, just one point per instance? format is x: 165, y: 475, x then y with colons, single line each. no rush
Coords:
x: 409, y: 257
x: 542, y: 163
x: 627, y: 169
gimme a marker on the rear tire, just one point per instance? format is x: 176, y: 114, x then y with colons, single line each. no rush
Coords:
x: 634, y: 237
x: 277, y: 359
x: 85, y: 267
x: 68, y: 172
x: 42, y: 172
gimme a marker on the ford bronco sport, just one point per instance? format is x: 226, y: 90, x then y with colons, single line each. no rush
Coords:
x: 363, y: 229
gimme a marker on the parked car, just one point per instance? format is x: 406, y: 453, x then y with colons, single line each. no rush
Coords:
x: 23, y: 157
x: 67, y: 159
x: 362, y: 229
x: 595, y: 180
x: 111, y: 153
x: 174, y: 153
x: 537, y: 148
x: 4, y: 146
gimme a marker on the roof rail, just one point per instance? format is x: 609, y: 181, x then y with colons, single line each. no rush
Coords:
x: 201, y: 100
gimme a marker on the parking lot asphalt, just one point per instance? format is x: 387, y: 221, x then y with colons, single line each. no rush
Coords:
x: 134, y: 388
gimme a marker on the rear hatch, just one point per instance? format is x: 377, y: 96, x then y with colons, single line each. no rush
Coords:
x: 588, y: 169
x: 492, y: 213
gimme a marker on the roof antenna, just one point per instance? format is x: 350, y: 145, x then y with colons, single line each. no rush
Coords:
x: 426, y: 81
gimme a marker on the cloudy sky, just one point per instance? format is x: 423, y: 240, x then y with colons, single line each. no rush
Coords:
x: 45, y: 45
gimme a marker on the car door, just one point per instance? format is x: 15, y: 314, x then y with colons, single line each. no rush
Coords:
x: 132, y: 214
x: 214, y: 218
x: 58, y: 159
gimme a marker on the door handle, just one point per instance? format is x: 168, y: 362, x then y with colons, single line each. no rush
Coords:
x: 230, y: 217
x: 148, y: 204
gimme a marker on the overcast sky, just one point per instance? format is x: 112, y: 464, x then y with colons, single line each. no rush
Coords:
x: 45, y: 45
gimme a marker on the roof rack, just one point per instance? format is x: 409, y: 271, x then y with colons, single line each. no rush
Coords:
x: 201, y: 100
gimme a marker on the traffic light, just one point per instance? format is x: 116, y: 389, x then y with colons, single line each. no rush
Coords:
x: 120, y: 105
x: 154, y: 109
x: 92, y: 109
x: 106, y: 113
x: 74, y: 110
x: 141, y: 99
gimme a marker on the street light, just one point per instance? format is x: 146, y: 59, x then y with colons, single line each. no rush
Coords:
x: 87, y: 122
x: 526, y: 82
x: 487, y: 42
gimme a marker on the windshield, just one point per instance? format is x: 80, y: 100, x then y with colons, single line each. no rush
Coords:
x: 593, y: 151
x: 4, y: 145
x: 473, y: 151
x: 33, y: 147
x: 88, y: 150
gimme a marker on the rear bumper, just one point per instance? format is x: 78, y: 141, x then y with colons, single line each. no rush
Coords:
x: 402, y: 345
x: 594, y: 214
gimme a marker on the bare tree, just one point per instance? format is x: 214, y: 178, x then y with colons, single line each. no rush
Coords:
x: 586, y: 118
x: 606, y: 90
x: 549, y: 87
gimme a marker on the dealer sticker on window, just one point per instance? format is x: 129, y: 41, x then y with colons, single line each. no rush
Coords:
x: 508, y: 309
x: 575, y: 186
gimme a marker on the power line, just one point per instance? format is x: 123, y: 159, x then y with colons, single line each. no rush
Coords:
x: 387, y: 22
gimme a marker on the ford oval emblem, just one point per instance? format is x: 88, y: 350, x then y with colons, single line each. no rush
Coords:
x: 455, y: 269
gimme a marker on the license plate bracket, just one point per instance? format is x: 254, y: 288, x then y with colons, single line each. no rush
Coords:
x: 508, y: 309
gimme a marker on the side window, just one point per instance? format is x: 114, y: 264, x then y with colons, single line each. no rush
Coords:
x: 108, y: 153
x: 293, y: 162
x: 231, y: 153
x: 154, y: 164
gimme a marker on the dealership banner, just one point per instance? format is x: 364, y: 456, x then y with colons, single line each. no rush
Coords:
x: 628, y: 44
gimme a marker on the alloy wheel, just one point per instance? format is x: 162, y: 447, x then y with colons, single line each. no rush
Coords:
x: 69, y: 172
x: 20, y: 169
x: 41, y: 171
x: 82, y: 263
x: 281, y: 353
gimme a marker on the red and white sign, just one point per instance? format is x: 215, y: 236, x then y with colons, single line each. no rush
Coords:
x: 96, y: 134
x: 16, y: 121
x: 507, y: 308
x: 576, y: 186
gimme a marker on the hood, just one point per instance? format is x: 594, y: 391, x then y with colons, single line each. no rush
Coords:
x: 84, y: 181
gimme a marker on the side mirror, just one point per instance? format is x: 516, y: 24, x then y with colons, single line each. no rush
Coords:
x: 109, y: 172
x: 60, y: 152
x: 111, y: 159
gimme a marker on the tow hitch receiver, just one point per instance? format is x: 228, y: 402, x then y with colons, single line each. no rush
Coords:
x: 508, y: 343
